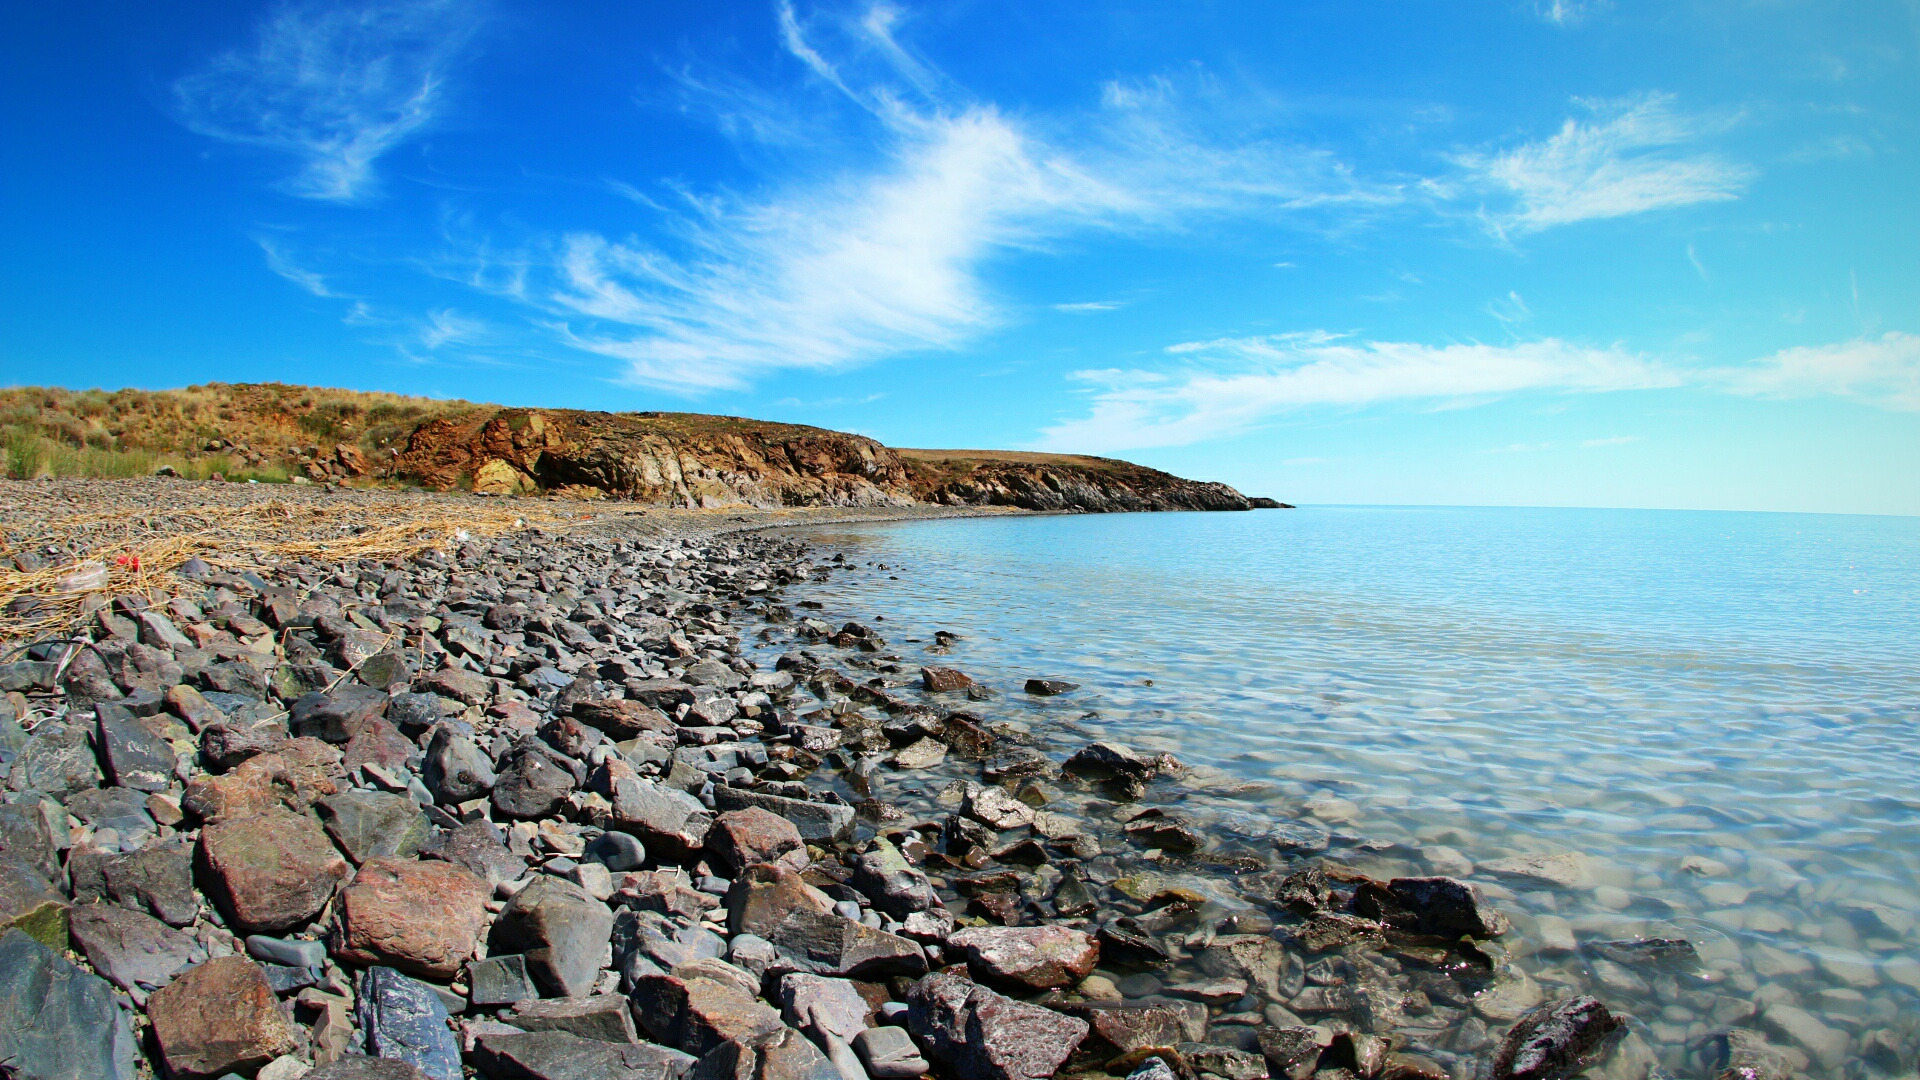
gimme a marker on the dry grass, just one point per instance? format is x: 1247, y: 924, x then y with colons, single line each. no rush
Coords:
x: 142, y: 554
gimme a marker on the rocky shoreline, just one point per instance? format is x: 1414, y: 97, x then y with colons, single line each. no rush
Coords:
x: 527, y: 806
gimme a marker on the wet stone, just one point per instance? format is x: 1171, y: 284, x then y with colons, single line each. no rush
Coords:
x: 56, y: 1021
x: 978, y: 1034
x: 1032, y: 957
x: 818, y: 823
x: 1555, y: 1040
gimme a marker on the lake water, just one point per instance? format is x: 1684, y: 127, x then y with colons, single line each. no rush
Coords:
x: 1711, y: 717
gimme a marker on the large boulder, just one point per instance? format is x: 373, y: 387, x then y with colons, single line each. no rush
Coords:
x: 157, y: 879
x: 742, y: 838
x: 272, y: 871
x: 561, y: 930
x: 420, y: 917
x: 977, y: 1034
x: 56, y: 1021
x: 219, y: 1017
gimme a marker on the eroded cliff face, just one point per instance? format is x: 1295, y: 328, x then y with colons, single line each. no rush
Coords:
x: 671, y: 459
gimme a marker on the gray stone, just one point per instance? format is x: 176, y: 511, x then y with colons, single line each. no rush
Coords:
x: 895, y: 886
x: 35, y: 832
x: 57, y: 763
x: 339, y: 715
x: 29, y: 902
x: 478, y: 848
x: 456, y: 770
x: 781, y: 1054
x: 500, y: 980
x: 617, y: 851
x: 889, y: 1053
x: 821, y: 1006
x: 531, y: 786
x: 603, y: 1017
x: 671, y: 823
x: 819, y: 823
x: 558, y: 1055
x: 290, y: 952
x: 372, y: 823
x: 362, y: 1067
x: 122, y: 809
x: 404, y: 1020
x: 129, y: 948
x: 157, y: 879
x: 1443, y: 906
x: 56, y: 1021
x: 414, y: 713
x: 562, y: 932
x: 1152, y: 1069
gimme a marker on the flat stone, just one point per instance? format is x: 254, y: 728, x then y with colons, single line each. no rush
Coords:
x: 272, y: 871
x: 288, y: 952
x: 602, y: 1017
x: 996, y: 808
x: 1566, y: 871
x: 377, y: 743
x: 1826, y: 1045
x: 404, y: 1020
x: 420, y: 917
x: 671, y: 823
x: 36, y: 832
x: 1555, y: 1040
x: 136, y: 757
x: 122, y: 809
x: 922, y: 753
x: 742, y: 838
x: 558, y: 1055
x: 562, y: 932
x: 622, y: 718
x: 56, y: 763
x: 369, y: 824
x: 337, y: 716
x: 1033, y: 957
x: 978, y: 1034
x: 819, y: 823
x: 361, y: 1067
x: 770, y: 901
x: 531, y: 786
x: 255, y: 786
x: 56, y: 1021
x: 500, y: 980
x: 822, y: 1006
x: 1254, y: 957
x: 889, y: 1053
x: 228, y: 742
x: 1118, y: 1028
x: 218, y: 1017
x: 130, y: 948
x: 157, y: 879
x: 940, y: 680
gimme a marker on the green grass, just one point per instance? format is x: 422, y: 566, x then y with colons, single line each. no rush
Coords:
x: 28, y: 455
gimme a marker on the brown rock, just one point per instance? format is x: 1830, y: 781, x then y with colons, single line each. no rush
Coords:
x: 255, y: 786
x: 1036, y: 957
x: 218, y: 1017
x: 378, y: 743
x: 742, y: 838
x: 975, y: 1033
x: 942, y: 679
x: 423, y: 918
x: 623, y: 718
x: 272, y: 871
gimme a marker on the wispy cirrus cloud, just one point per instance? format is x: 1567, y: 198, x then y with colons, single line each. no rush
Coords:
x: 1881, y: 371
x: 1570, y: 12
x: 1630, y: 157
x: 335, y: 86
x: 284, y: 265
x: 1089, y: 307
x: 886, y: 255
x: 1230, y: 385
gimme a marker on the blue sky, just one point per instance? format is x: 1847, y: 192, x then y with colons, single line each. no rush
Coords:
x: 1531, y: 252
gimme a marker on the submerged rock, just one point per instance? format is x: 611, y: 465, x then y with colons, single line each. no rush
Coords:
x: 1555, y: 1040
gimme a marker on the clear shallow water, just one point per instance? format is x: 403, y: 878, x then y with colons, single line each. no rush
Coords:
x: 1713, y: 714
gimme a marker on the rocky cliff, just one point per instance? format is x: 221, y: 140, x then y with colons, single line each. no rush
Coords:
x: 274, y: 432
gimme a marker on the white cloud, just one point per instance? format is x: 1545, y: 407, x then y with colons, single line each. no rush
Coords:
x: 1622, y: 162
x: 1088, y: 307
x: 1233, y: 384
x: 1882, y: 371
x: 334, y: 86
x: 280, y: 263
x: 1570, y: 12
x: 886, y: 256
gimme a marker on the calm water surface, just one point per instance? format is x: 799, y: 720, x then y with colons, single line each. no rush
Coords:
x: 1712, y: 715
